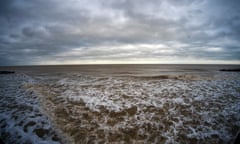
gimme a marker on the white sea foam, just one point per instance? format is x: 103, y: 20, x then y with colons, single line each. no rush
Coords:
x: 128, y: 109
x: 197, y: 107
x: 21, y: 119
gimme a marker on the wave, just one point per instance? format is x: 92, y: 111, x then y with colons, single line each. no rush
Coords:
x: 82, y: 108
x: 122, y: 109
x: 21, y: 117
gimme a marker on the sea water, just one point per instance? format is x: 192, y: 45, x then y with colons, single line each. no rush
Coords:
x: 120, y: 104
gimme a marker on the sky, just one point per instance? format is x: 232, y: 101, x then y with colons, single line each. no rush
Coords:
x: 46, y: 32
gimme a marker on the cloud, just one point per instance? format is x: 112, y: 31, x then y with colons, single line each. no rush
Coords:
x: 57, y: 31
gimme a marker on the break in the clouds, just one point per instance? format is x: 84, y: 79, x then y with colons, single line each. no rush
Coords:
x: 119, y: 31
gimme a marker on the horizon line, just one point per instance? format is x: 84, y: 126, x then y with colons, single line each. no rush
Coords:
x: 98, y: 64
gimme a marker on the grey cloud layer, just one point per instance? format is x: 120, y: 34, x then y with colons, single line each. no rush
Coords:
x: 38, y: 31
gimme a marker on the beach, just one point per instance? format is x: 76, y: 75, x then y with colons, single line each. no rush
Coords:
x: 120, y: 104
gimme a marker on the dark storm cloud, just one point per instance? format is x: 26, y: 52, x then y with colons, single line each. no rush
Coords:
x: 78, y: 31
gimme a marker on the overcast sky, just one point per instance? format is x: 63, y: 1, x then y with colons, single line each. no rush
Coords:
x: 119, y: 31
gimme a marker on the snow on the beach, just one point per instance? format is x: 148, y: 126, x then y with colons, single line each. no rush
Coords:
x: 21, y: 119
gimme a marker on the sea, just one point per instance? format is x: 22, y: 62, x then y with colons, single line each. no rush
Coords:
x: 78, y: 104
